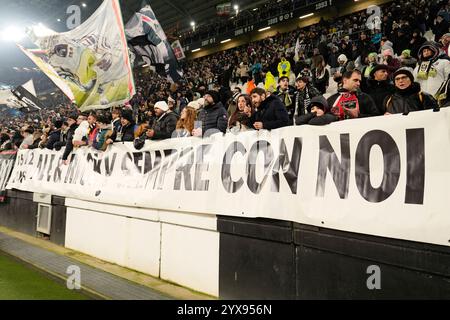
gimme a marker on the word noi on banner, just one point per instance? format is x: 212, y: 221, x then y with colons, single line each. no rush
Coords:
x: 190, y: 164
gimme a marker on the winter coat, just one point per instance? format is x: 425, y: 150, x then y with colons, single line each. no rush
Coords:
x: 367, y: 107
x: 408, y: 100
x: 213, y: 117
x: 128, y: 132
x: 270, y: 84
x: 164, y: 126
x: 53, y: 138
x: 272, y: 113
x: 378, y: 91
x: 301, y: 104
x: 69, y: 144
x: 312, y: 118
x: 438, y: 73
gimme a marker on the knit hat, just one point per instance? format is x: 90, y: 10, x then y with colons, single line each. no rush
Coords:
x: 342, y: 58
x: 162, y: 105
x: 373, y: 55
x: 201, y: 102
x: 376, y: 68
x: 388, y: 52
x: 406, y: 72
x: 214, y: 95
x: 320, y: 102
x: 406, y: 53
x: 194, y: 104
x: 58, y: 123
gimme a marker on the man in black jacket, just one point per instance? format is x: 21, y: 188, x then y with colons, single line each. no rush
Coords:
x: 378, y: 86
x: 408, y: 96
x: 349, y: 102
x: 74, y: 121
x: 55, y: 135
x: 270, y: 111
x: 165, y: 123
x: 213, y: 115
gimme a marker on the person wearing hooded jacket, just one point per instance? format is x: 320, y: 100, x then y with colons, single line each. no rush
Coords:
x: 319, y: 115
x: 433, y: 69
x: 407, y: 96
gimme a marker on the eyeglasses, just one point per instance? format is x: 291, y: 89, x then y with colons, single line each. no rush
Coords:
x: 401, y: 78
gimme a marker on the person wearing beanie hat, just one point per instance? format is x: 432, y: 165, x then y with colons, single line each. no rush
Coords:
x: 126, y: 132
x: 344, y: 66
x: 165, y: 123
x: 55, y: 135
x: 213, y: 116
x: 407, y: 96
x: 433, y: 71
x: 378, y: 86
x: 406, y: 59
x: 303, y: 95
x: 319, y: 114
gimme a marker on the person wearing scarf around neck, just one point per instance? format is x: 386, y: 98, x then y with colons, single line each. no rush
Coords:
x: 407, y: 96
x: 303, y: 95
x: 433, y: 69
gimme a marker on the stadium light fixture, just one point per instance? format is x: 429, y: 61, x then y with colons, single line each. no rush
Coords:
x: 84, y: 5
x: 254, y: 9
x: 236, y: 7
x: 225, y: 41
x: 263, y: 29
x: 195, y: 50
x: 12, y: 33
x: 307, y: 15
x: 59, y: 20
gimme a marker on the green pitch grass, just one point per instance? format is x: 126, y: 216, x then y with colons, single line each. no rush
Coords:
x: 20, y: 282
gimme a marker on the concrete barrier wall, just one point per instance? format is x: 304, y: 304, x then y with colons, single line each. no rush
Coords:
x: 238, y: 258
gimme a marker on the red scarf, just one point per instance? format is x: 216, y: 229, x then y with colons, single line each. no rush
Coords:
x: 346, y: 106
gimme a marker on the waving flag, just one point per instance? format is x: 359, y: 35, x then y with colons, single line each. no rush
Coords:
x: 148, y: 40
x: 92, y: 58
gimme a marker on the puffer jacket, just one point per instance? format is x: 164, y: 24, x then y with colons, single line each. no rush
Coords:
x: 409, y: 100
x: 164, y: 126
x: 213, y: 117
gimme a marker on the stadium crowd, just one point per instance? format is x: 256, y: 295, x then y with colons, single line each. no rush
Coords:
x: 331, y: 71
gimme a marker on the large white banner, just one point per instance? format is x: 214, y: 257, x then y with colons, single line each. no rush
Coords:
x: 92, y: 58
x: 387, y: 176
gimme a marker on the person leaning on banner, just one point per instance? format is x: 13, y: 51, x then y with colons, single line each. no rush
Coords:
x: 74, y: 120
x: 165, y: 123
x: 55, y: 134
x: 104, y: 132
x: 349, y: 102
x: 407, y: 96
x: 128, y: 127
x: 378, y: 86
x: 270, y: 111
x: 116, y: 125
x: 213, y: 116
x: 320, y: 113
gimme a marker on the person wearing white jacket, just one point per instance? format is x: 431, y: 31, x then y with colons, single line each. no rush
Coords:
x: 433, y: 69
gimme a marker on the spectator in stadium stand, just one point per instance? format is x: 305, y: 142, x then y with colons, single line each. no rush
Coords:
x: 55, y: 134
x: 318, y: 115
x: 441, y: 26
x: 62, y: 142
x: 165, y: 123
x: 285, y: 93
x: 270, y: 84
x: 344, y: 66
x: 128, y: 127
x: 392, y: 62
x: 213, y: 116
x: 408, y: 96
x: 379, y: 86
x: 417, y: 40
x: 365, y: 46
x: 303, y: 95
x: 243, y: 72
x: 104, y: 132
x: 349, y: 102
x: 37, y: 139
x: 365, y: 72
x: 321, y: 76
x: 27, y: 135
x: 232, y: 102
x: 5, y: 142
x: 433, y: 69
x: 284, y: 68
x: 116, y: 125
x: 401, y: 41
x: 239, y: 120
x: 407, y: 61
x: 270, y: 112
x: 445, y: 40
x: 74, y: 120
x: 185, y: 124
x: 93, y: 129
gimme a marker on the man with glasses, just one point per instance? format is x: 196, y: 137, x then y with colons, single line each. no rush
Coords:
x: 407, y: 96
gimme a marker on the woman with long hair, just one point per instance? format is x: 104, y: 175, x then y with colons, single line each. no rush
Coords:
x: 243, y: 113
x: 321, y: 76
x: 185, y: 124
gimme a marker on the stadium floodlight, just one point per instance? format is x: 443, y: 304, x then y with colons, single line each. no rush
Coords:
x: 225, y: 41
x: 84, y: 5
x: 59, y: 20
x: 195, y: 50
x: 263, y: 29
x: 12, y: 33
x: 192, y: 23
x: 307, y: 15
